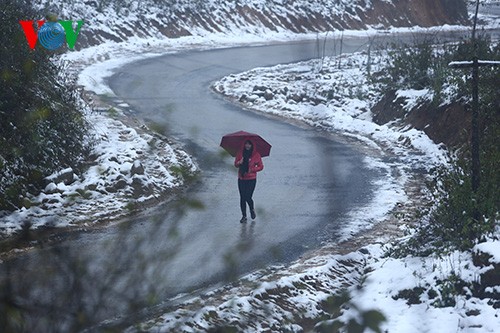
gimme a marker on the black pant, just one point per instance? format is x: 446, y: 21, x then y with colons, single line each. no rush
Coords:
x: 246, y: 188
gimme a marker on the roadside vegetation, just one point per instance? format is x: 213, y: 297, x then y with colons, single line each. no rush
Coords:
x: 454, y: 222
x: 461, y: 217
x: 41, y: 127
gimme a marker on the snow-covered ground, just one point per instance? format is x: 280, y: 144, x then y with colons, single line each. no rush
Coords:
x: 130, y: 167
x: 296, y: 298
x: 62, y: 206
x: 279, y: 299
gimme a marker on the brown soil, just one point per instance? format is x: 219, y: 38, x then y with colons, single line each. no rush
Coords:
x: 447, y: 124
x: 399, y: 13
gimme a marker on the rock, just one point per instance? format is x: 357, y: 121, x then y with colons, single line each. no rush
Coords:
x: 65, y: 176
x: 91, y: 187
x: 296, y: 98
x: 51, y: 188
x: 483, y: 259
x: 139, y: 188
x: 120, y: 184
x: 260, y: 88
x: 317, y: 100
x: 268, y: 95
x: 252, y: 98
x: 364, y: 251
x: 137, y: 168
x: 111, y: 189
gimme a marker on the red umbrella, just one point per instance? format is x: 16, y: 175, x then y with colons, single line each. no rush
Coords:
x: 233, y: 142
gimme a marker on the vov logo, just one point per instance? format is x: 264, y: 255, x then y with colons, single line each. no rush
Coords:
x: 51, y: 34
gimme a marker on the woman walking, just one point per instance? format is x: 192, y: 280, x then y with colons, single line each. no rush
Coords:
x: 249, y: 162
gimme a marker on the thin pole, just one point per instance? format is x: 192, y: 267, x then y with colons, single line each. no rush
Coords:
x: 476, y: 165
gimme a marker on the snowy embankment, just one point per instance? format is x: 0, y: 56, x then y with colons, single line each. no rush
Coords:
x: 130, y: 167
x: 414, y: 294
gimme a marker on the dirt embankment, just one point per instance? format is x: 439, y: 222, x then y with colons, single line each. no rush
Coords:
x: 425, y: 13
x: 295, y: 16
x: 449, y: 124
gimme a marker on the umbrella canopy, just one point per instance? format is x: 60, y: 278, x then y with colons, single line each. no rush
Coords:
x: 233, y: 142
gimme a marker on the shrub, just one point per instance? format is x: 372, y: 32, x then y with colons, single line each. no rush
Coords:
x: 41, y: 129
x: 461, y: 217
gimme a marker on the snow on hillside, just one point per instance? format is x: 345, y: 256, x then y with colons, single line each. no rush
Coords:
x: 121, y: 20
x: 130, y: 167
x: 414, y: 294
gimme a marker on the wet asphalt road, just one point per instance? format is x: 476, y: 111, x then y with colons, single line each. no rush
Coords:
x: 309, y: 184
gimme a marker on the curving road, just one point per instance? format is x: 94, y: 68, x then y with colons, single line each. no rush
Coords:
x: 309, y: 184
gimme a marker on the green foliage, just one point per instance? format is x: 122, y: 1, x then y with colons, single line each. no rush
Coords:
x: 424, y: 66
x: 412, y: 296
x: 415, y: 66
x: 41, y: 129
x: 184, y: 172
x: 364, y: 320
x: 449, y: 289
x: 410, y: 66
x: 461, y: 217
